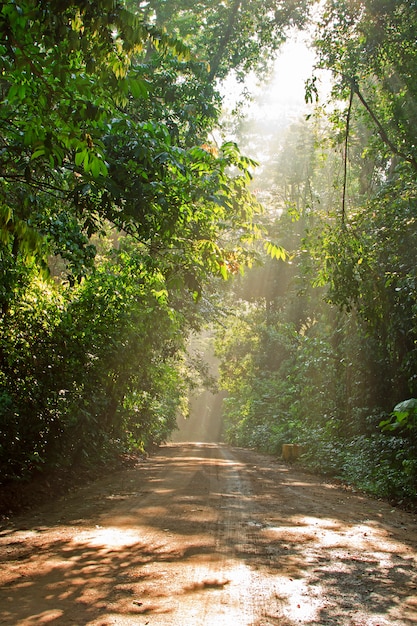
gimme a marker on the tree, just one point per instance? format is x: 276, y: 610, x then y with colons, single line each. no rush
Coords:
x: 90, y: 370
x: 237, y: 35
x: 368, y: 255
x: 335, y: 352
x: 369, y: 46
x: 79, y: 151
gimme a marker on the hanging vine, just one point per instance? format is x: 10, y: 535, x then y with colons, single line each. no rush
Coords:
x: 345, y: 155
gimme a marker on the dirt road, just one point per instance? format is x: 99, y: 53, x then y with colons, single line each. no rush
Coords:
x: 201, y: 534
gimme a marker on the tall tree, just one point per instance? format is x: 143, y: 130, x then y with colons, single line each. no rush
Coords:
x: 239, y: 35
x: 86, y: 140
x: 370, y: 48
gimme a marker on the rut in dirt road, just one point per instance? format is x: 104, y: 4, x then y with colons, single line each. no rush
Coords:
x: 205, y: 535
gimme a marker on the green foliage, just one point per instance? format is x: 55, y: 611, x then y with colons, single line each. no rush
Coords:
x: 404, y: 416
x: 370, y: 48
x: 319, y: 386
x: 104, y: 124
x: 241, y: 35
x: 104, y: 129
x: 321, y: 353
x: 93, y: 133
x: 325, y: 348
x: 379, y: 465
x: 90, y: 370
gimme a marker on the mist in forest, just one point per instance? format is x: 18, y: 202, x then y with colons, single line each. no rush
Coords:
x: 274, y: 106
x: 204, y: 422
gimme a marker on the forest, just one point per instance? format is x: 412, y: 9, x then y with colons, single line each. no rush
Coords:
x: 134, y: 214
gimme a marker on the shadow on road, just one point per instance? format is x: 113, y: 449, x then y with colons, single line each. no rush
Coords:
x: 113, y: 551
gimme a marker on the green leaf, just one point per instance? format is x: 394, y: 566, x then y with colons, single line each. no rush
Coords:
x: 38, y: 153
x: 95, y: 167
x: 223, y: 271
x: 275, y: 251
x: 138, y: 88
x: 80, y: 156
x: 86, y: 162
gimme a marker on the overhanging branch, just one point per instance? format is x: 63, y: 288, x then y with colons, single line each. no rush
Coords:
x: 345, y: 156
x: 381, y: 130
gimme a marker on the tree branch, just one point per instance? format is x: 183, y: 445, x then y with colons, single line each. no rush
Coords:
x: 381, y: 130
x: 215, y: 61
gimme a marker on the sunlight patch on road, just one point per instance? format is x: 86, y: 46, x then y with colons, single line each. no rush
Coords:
x: 219, y: 594
x: 301, y: 602
x: 108, y: 537
x: 46, y: 617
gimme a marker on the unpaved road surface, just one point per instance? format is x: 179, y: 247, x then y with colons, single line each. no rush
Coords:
x: 201, y: 534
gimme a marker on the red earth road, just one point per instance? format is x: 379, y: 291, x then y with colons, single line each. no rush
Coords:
x: 203, y: 534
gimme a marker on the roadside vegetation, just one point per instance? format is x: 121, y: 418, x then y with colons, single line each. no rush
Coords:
x: 321, y: 350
